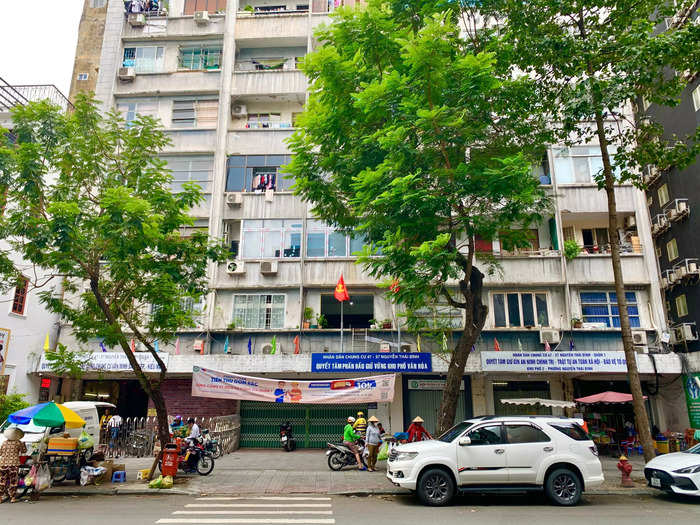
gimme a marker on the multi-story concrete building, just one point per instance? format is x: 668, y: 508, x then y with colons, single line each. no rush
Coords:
x: 24, y: 322
x: 223, y: 78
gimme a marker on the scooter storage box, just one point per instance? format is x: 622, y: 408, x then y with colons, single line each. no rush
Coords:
x: 62, y: 446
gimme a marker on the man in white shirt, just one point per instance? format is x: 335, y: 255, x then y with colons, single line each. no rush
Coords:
x: 114, y: 425
x: 194, y: 430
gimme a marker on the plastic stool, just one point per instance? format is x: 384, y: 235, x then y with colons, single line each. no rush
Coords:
x: 119, y: 477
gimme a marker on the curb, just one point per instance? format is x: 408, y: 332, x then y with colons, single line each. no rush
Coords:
x: 121, y: 492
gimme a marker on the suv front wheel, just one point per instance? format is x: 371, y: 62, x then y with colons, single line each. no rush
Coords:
x: 563, y: 487
x: 436, y: 487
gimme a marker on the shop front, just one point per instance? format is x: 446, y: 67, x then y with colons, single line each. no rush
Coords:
x: 422, y: 395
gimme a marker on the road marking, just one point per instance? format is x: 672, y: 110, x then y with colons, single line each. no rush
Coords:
x: 250, y: 512
x: 259, y: 505
x: 268, y: 498
x: 283, y: 521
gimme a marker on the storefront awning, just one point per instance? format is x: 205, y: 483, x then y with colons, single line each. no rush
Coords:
x: 607, y: 398
x: 554, y: 403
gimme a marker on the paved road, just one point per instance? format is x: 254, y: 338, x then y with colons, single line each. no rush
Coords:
x: 341, y: 510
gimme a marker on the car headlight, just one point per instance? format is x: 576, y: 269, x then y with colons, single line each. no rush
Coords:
x: 688, y: 470
x: 406, y: 456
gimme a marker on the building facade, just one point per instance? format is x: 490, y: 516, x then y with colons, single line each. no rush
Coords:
x: 223, y: 78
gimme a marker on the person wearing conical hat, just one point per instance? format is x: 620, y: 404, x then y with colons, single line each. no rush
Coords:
x: 416, y: 431
x: 373, y: 441
x: 10, y: 453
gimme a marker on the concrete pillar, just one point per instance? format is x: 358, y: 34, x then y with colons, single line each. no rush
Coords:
x: 479, y: 403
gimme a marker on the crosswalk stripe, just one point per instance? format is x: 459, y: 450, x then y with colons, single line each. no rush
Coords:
x: 268, y: 498
x: 270, y: 521
x: 259, y: 505
x: 258, y: 512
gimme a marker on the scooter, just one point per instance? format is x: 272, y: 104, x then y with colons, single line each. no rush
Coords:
x: 340, y: 456
x: 286, y: 439
x: 203, y: 464
x: 211, y: 445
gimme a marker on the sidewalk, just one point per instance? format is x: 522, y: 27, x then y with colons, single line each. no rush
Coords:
x: 253, y: 471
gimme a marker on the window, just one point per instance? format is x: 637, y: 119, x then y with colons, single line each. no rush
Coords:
x: 696, y: 98
x: 441, y: 315
x: 266, y: 120
x: 681, y: 306
x: 658, y: 252
x: 601, y: 307
x: 516, y: 434
x: 662, y: 192
x: 198, y: 169
x: 488, y: 435
x: 572, y: 430
x: 580, y: 164
x: 130, y: 109
x: 672, y: 250
x: 257, y: 173
x: 19, y: 301
x: 97, y: 4
x: 144, y: 59
x: 212, y: 6
x: 259, y: 311
x: 82, y: 76
x: 323, y: 241
x: 520, y: 309
x: 191, y: 113
x: 200, y: 57
x: 271, y: 239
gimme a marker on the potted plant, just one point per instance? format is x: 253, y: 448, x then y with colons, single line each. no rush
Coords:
x: 322, y: 321
x: 387, y: 324
x: 373, y: 324
x: 571, y: 249
x: 249, y: 8
x: 576, y: 322
x: 308, y: 315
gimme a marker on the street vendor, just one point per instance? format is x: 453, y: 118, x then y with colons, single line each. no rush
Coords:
x: 10, y: 453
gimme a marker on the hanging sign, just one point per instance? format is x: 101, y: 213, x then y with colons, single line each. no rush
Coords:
x: 212, y: 383
x: 691, y: 385
x: 553, y: 362
x: 429, y: 384
x: 374, y: 362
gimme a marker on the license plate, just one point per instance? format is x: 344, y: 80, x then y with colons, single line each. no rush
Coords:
x: 656, y: 482
x: 284, y: 438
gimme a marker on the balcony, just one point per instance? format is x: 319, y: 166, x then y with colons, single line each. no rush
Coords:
x: 271, y: 83
x: 172, y: 28
x: 191, y: 141
x: 597, y: 269
x: 275, y: 205
x: 659, y: 224
x: 589, y: 199
x: 165, y: 83
x: 677, y: 210
x: 527, y: 267
x: 279, y: 28
x: 257, y: 141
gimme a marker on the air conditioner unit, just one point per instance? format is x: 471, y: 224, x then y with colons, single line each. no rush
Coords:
x: 642, y: 349
x: 268, y: 267
x: 654, y: 229
x: 549, y: 336
x: 682, y: 207
x: 126, y: 74
x: 199, y: 345
x: 239, y: 110
x: 630, y: 222
x: 267, y: 349
x: 685, y: 332
x: 235, y: 267
x: 664, y: 282
x: 681, y: 272
x: 662, y: 221
x: 639, y: 337
x: 406, y: 347
x: 201, y: 17
x: 137, y: 20
x: 671, y: 277
x: 234, y: 199
x: 692, y: 267
x: 653, y: 173
x: 673, y: 213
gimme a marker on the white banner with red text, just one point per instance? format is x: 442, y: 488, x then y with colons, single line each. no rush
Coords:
x: 213, y: 383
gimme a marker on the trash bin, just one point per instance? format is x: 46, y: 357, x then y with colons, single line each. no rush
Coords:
x: 170, y: 460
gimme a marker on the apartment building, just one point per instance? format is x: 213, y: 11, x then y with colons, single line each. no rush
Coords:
x: 223, y: 78
x: 24, y: 322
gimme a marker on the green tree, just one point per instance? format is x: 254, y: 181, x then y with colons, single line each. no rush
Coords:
x: 10, y: 403
x: 595, y: 59
x: 90, y: 203
x: 418, y: 139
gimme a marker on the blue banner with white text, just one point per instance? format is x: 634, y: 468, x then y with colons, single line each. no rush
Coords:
x: 374, y: 362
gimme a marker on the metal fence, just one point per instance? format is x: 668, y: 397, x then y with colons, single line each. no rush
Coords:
x: 137, y: 436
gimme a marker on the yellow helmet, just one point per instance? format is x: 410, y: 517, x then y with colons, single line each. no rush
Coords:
x: 360, y: 414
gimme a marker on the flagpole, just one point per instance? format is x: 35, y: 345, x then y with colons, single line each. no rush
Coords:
x: 341, y: 326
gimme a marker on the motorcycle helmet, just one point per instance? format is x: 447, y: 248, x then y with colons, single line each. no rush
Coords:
x: 360, y: 414
x: 351, y: 419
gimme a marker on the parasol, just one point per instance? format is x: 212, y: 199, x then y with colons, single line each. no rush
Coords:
x: 606, y: 398
x: 555, y: 403
x: 47, y: 415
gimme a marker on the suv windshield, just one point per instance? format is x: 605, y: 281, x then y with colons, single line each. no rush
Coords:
x: 693, y: 450
x: 572, y: 430
x: 455, y: 431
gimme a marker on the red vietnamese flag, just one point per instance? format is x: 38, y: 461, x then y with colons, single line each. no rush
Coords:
x: 341, y: 293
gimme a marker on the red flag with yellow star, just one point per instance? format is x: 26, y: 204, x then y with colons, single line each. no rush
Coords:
x: 341, y: 292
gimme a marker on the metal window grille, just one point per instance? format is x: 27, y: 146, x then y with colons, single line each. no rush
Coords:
x: 20, y: 299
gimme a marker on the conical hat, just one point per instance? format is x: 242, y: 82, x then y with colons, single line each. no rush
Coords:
x: 418, y: 419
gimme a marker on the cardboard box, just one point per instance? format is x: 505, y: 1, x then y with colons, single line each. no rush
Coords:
x: 119, y: 467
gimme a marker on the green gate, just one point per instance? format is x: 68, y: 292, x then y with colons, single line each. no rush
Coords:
x: 313, y: 425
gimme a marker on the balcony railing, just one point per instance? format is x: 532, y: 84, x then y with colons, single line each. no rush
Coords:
x: 261, y: 11
x: 19, y: 95
x: 267, y: 64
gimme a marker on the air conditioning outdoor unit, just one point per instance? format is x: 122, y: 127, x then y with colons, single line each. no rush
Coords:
x: 235, y: 267
x: 199, y: 345
x: 681, y: 271
x: 682, y: 207
x: 549, y: 336
x: 685, y: 332
x: 201, y: 17
x: 267, y: 349
x: 126, y: 74
x: 692, y: 267
x: 630, y: 222
x: 234, y: 199
x: 639, y: 337
x: 268, y: 267
x: 137, y: 20
x: 664, y: 282
x: 239, y: 110
x: 654, y: 229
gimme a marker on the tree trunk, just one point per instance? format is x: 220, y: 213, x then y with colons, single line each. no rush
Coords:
x: 640, y: 412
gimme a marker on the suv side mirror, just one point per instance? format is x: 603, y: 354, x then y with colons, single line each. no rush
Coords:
x: 465, y: 441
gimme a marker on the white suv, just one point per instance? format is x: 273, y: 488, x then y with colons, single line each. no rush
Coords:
x: 500, y: 454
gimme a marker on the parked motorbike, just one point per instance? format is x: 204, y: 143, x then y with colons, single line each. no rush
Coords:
x: 340, y: 456
x: 286, y: 439
x: 203, y: 463
x: 211, y: 445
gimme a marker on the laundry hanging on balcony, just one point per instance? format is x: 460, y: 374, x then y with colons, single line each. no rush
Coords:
x: 268, y: 63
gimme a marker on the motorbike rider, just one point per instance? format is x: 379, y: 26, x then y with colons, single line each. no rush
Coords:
x: 349, y: 440
x: 177, y: 426
x: 193, y: 436
x: 286, y: 427
x: 360, y: 425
